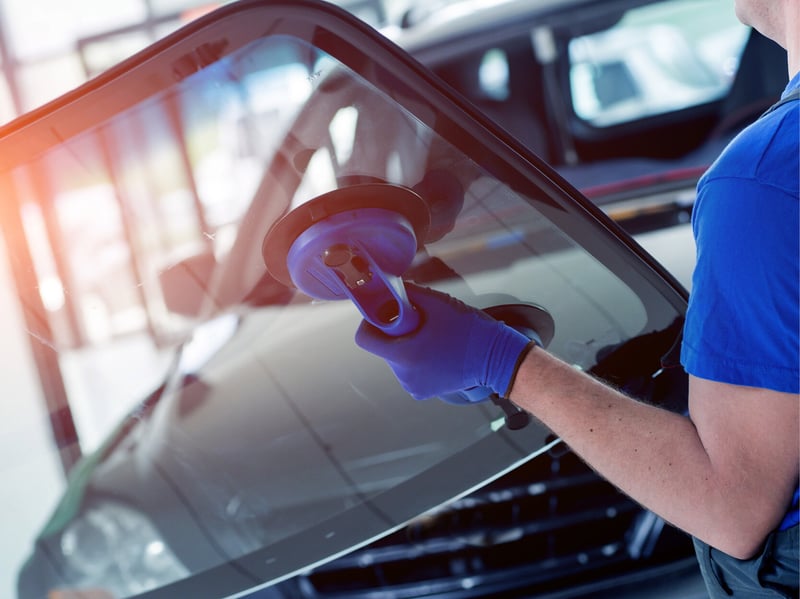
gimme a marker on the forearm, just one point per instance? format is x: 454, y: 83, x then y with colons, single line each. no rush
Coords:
x: 655, y: 456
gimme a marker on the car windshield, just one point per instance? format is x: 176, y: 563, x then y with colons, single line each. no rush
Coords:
x: 231, y: 431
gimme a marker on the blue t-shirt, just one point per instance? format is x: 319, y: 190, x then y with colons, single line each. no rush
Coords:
x: 743, y: 322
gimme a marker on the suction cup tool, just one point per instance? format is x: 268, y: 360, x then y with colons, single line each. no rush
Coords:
x: 353, y: 243
x: 529, y: 319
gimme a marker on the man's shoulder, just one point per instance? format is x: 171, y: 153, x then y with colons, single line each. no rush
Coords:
x: 765, y: 151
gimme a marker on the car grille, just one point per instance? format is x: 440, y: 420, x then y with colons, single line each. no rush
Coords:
x: 549, y: 524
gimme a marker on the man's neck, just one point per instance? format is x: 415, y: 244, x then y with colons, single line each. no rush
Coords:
x: 792, y: 19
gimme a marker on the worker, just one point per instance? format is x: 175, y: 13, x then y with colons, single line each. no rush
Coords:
x: 726, y: 473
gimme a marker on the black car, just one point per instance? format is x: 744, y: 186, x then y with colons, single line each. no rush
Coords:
x: 277, y: 458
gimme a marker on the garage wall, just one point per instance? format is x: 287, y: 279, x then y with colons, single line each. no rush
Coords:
x: 30, y: 469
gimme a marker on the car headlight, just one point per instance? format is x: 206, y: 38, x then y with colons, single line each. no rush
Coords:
x: 117, y: 549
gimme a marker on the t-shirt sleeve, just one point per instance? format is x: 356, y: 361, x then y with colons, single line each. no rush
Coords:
x: 742, y: 325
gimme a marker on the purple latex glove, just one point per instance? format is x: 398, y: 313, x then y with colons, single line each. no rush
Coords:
x: 456, y: 347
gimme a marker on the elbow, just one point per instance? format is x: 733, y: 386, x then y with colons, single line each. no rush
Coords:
x: 741, y: 542
x: 739, y: 528
x: 741, y: 549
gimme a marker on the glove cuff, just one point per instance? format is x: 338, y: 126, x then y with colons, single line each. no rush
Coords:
x: 520, y: 358
x: 504, y: 357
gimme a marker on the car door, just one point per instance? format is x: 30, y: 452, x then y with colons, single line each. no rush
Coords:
x: 273, y: 443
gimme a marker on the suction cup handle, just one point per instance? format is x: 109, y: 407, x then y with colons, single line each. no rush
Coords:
x: 357, y: 254
x: 380, y: 296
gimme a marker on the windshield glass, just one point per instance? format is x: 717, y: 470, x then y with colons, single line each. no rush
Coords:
x: 231, y: 431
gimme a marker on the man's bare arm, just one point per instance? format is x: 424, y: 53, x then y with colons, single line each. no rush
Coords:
x: 725, y: 475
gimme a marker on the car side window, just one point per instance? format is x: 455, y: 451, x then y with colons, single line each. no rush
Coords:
x: 656, y: 59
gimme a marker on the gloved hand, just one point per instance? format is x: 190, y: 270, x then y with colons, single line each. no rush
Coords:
x: 456, y: 347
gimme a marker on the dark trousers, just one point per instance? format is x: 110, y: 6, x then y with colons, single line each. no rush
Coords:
x: 774, y: 572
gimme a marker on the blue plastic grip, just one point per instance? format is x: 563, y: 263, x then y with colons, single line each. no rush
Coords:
x: 359, y: 255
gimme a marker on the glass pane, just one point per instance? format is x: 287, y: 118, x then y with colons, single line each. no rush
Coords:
x: 274, y: 442
x: 7, y: 111
x: 45, y: 80
x: 166, y: 7
x: 658, y: 58
x: 102, y: 54
x: 58, y: 25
